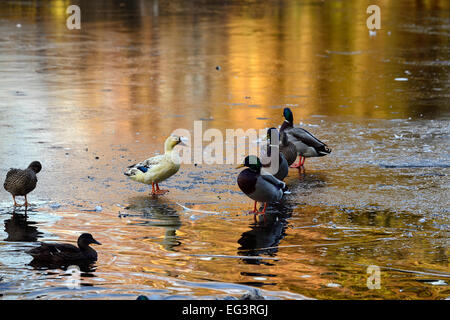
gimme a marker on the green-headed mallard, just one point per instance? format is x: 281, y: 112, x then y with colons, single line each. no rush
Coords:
x: 279, y: 168
x: 257, y: 186
x: 20, y: 182
x: 59, y: 254
x: 159, y: 168
x: 306, y: 144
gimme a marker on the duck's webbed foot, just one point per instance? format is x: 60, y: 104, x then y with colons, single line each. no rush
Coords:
x: 157, y: 190
x: 258, y: 213
x: 26, y: 204
x: 264, y: 209
x: 296, y: 165
x: 160, y: 192
x: 15, y: 202
x: 299, y: 165
x: 302, y: 161
x: 255, y: 210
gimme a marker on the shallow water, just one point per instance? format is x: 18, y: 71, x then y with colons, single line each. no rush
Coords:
x: 87, y: 103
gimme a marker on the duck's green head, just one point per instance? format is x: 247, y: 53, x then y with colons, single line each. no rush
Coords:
x: 288, y: 115
x: 272, y: 135
x: 251, y: 162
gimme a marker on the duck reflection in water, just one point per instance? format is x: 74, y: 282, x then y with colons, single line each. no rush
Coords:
x: 19, y: 228
x: 307, y: 182
x: 265, y: 234
x: 156, y: 213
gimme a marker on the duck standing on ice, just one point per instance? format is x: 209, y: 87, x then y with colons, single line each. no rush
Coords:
x: 158, y: 168
x: 259, y: 187
x: 306, y: 144
x: 20, y: 182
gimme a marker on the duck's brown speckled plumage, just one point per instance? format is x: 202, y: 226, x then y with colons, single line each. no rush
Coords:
x: 20, y: 182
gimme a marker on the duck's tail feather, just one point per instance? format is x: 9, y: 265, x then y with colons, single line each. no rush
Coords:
x: 323, y: 151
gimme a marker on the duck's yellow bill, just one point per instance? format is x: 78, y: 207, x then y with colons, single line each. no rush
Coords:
x: 240, y: 166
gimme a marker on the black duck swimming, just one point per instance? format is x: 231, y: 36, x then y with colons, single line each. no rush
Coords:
x: 64, y: 254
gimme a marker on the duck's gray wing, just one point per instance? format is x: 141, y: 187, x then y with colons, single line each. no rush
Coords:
x: 306, y: 137
x: 271, y: 179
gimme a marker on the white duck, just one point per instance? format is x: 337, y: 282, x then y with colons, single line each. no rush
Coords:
x: 158, y: 168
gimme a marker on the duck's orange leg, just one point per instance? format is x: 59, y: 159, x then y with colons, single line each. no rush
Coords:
x: 255, y: 210
x: 264, y: 209
x: 15, y: 202
x: 302, y: 161
x: 294, y: 165
x: 26, y: 202
x: 160, y: 191
x: 299, y: 164
x: 263, y: 213
x: 153, y: 189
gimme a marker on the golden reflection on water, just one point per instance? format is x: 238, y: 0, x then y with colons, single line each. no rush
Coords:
x: 134, y: 73
x: 317, y: 56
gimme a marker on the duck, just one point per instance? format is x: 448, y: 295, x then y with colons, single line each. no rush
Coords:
x: 280, y: 168
x: 66, y: 254
x: 259, y: 187
x: 21, y: 182
x: 287, y: 148
x: 158, y: 168
x: 306, y: 144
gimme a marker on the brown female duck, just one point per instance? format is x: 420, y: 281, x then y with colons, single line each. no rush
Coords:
x: 66, y: 254
x: 20, y: 182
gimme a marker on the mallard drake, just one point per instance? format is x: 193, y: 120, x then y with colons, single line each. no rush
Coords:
x: 62, y: 254
x: 159, y: 168
x: 281, y: 167
x: 20, y: 182
x: 306, y: 144
x: 259, y: 187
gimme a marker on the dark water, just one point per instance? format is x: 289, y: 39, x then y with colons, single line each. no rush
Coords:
x: 87, y: 103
